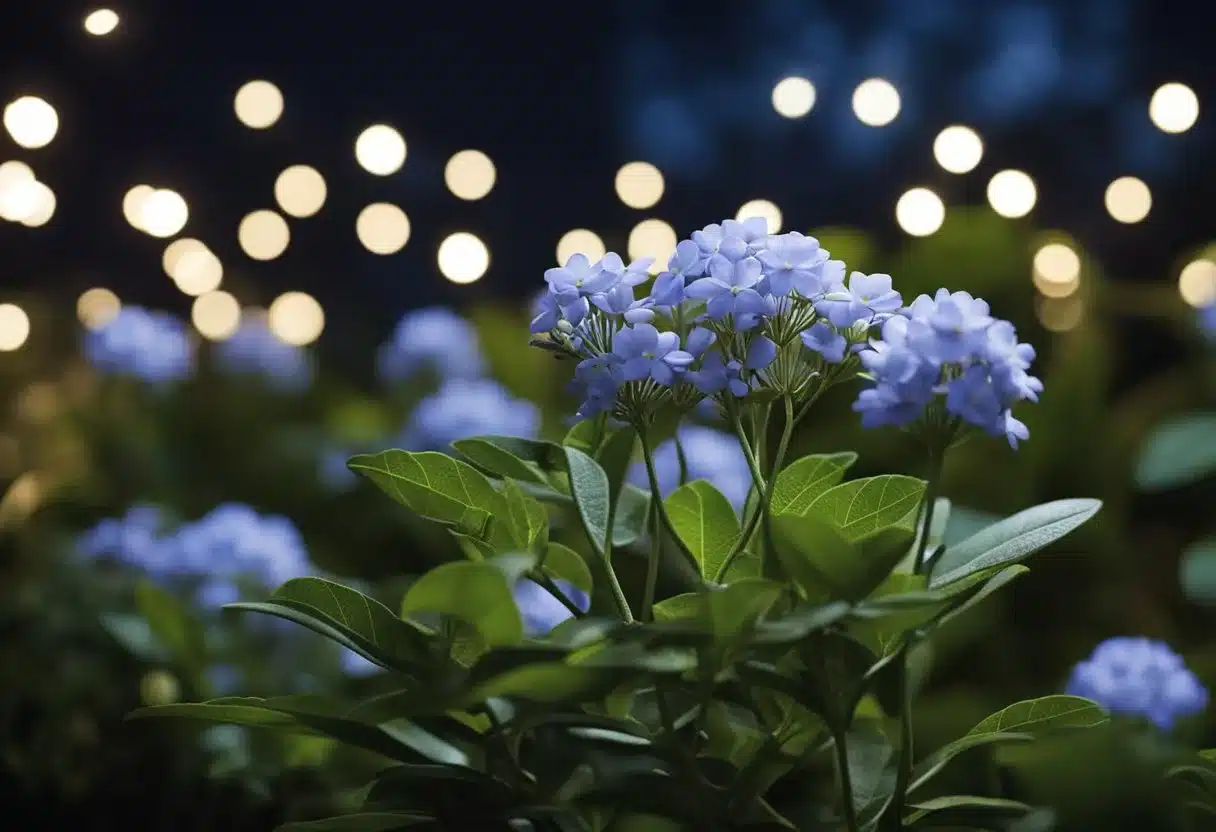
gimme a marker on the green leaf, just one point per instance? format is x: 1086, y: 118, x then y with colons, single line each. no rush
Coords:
x: 565, y: 563
x: 477, y: 593
x: 1056, y: 711
x: 927, y: 768
x: 829, y: 565
x: 546, y: 683
x: 1012, y: 539
x: 236, y: 710
x: 990, y: 587
x: 586, y: 435
x: 706, y: 524
x: 806, y: 479
x: 135, y: 634
x: 1197, y: 571
x: 965, y: 811
x: 528, y: 518
x: 359, y: 822
x: 632, y: 512
x: 872, y: 770
x: 861, y: 507
x: 589, y: 485
x: 172, y: 625
x: 498, y: 455
x: 442, y: 489
x: 614, y: 455
x: 1179, y: 452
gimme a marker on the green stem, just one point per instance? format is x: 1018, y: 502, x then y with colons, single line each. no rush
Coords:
x: 846, y: 784
x: 618, y: 594
x: 660, y: 521
x: 681, y: 459
x: 656, y: 551
x: 545, y: 581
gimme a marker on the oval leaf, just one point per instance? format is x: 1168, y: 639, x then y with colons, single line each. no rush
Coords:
x: 1179, y: 452
x: 706, y: 524
x: 862, y: 507
x: 1057, y: 711
x: 589, y: 485
x: 565, y: 563
x: 801, y: 483
x: 477, y: 593
x: 1197, y: 571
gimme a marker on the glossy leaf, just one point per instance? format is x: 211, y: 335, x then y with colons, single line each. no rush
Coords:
x: 862, y: 507
x: 565, y: 563
x: 805, y: 480
x: 829, y: 565
x: 528, y: 518
x: 1012, y: 539
x: 477, y: 593
x: 1056, y: 711
x: 955, y: 811
x: 705, y: 522
x: 233, y: 710
x: 1179, y: 451
x: 499, y: 455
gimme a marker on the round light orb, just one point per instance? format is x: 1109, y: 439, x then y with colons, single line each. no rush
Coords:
x: 380, y: 150
x: 1012, y: 193
x: 263, y: 235
x: 383, y: 228
x: 31, y: 122
x: 1174, y: 108
x: 101, y: 22
x: 793, y: 97
x: 216, y: 315
x: 580, y: 241
x: 469, y: 174
x: 876, y: 102
x: 176, y: 250
x: 652, y: 238
x: 463, y: 258
x: 97, y: 307
x: 258, y: 104
x: 1060, y: 314
x: 920, y: 212
x: 198, y: 272
x: 639, y: 184
x: 163, y: 213
x: 761, y: 208
x: 1197, y: 283
x: 300, y: 191
x: 1057, y: 263
x: 44, y: 206
x: 958, y: 149
x: 133, y: 205
x: 1128, y: 199
x: 13, y: 172
x: 20, y: 199
x: 14, y: 327
x: 296, y: 318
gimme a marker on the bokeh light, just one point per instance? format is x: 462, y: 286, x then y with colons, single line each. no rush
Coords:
x: 1197, y: 282
x: 580, y: 241
x: 163, y: 213
x: 1174, y: 108
x: 469, y: 174
x: 13, y: 172
x: 14, y: 327
x: 300, y: 191
x: 296, y: 318
x: 101, y: 22
x: 23, y: 198
x: 198, y: 272
x: 97, y: 307
x: 793, y: 97
x: 1128, y: 199
x: 463, y: 258
x: 31, y: 122
x: 43, y: 207
x: 958, y: 149
x: 216, y: 315
x: 920, y: 212
x: 1060, y: 314
x: 652, y: 238
x: 761, y: 208
x: 133, y: 205
x: 1012, y: 193
x: 263, y: 235
x: 176, y: 250
x: 380, y: 150
x: 876, y: 102
x: 383, y: 228
x: 1057, y: 270
x: 639, y: 184
x: 258, y: 104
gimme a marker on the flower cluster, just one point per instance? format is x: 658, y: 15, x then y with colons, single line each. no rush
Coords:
x: 461, y: 408
x: 434, y: 340
x: 708, y: 455
x: 948, y: 351
x: 1139, y: 677
x: 254, y: 350
x: 152, y: 346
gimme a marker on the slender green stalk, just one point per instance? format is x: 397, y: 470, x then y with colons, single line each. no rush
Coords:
x: 618, y: 594
x: 545, y: 581
x: 681, y: 459
x: 846, y: 785
x: 652, y: 566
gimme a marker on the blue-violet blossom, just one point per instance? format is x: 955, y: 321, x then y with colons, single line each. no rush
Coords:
x: 254, y: 350
x: 462, y: 408
x: 1139, y: 677
x: 434, y: 340
x: 152, y: 346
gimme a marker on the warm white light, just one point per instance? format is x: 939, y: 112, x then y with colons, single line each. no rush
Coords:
x: 761, y: 208
x: 176, y: 250
x: 1012, y: 193
x: 793, y: 97
x: 43, y: 207
x: 216, y: 315
x: 1197, y: 283
x: 20, y: 199
x: 296, y: 318
x: 97, y: 307
x: 1057, y: 270
x: 258, y: 104
x: 1060, y: 314
x: 1174, y: 108
x: 580, y: 241
x: 133, y: 205
x: 198, y: 272
x: 876, y: 102
x: 958, y: 149
x: 920, y: 212
x: 13, y: 172
x: 163, y: 213
x: 1128, y: 199
x: 101, y: 22
x: 639, y: 184
x: 469, y: 174
x: 263, y: 235
x: 463, y: 258
x: 300, y: 191
x: 383, y: 228
x: 31, y: 122
x: 14, y: 327
x: 652, y: 238
x: 380, y: 150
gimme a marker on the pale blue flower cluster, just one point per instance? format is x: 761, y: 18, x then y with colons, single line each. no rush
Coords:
x: 1137, y: 676
x: 433, y: 340
x: 462, y: 408
x: 254, y: 350
x: 152, y: 346
x: 948, y: 349
x: 541, y: 612
x: 709, y: 454
x: 231, y: 545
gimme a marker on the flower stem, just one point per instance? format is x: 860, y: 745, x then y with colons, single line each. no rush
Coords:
x: 848, y: 807
x: 659, y: 521
x: 618, y: 594
x: 545, y: 581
